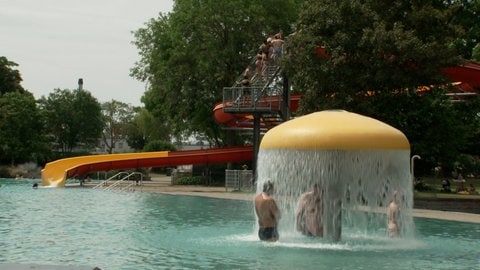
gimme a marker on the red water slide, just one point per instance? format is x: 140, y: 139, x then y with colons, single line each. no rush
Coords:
x: 468, y: 75
x: 245, y: 120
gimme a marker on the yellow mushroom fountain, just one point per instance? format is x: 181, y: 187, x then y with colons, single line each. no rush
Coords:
x: 357, y: 161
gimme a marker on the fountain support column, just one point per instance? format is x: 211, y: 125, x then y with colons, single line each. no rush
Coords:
x: 256, y: 142
x: 332, y: 213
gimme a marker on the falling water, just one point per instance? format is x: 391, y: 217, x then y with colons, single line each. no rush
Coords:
x: 357, y: 184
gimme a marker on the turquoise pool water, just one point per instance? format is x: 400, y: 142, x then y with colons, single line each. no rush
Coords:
x: 75, y: 226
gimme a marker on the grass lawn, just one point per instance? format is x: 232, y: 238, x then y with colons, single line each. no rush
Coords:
x: 434, y: 186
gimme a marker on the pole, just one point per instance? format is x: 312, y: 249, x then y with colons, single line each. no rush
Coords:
x: 256, y: 143
x: 80, y: 84
x: 412, y: 173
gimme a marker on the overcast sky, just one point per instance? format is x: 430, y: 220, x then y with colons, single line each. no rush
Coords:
x: 56, y: 42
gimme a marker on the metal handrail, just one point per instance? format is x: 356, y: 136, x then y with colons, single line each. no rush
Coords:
x: 103, y: 183
x: 269, y: 82
x: 119, y: 182
x: 128, y: 187
x: 260, y: 86
x: 251, y: 67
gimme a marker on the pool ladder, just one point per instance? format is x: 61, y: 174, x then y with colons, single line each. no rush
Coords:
x: 120, y: 182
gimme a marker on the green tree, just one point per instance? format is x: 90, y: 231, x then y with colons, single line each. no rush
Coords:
x: 21, y: 132
x: 476, y: 53
x: 159, y: 145
x: 465, y: 14
x: 73, y: 118
x: 437, y: 128
x: 367, y: 47
x: 191, y: 54
x: 145, y: 128
x: 117, y: 116
x: 10, y: 77
x: 371, y: 57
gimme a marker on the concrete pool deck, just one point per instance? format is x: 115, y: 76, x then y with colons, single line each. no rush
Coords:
x: 162, y: 184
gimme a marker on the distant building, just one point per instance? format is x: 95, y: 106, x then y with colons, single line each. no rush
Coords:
x: 121, y: 146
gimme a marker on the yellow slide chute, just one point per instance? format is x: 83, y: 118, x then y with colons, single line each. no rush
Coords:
x: 55, y: 173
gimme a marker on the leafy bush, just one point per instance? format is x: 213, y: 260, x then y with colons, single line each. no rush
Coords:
x: 469, y: 164
x: 159, y: 145
x: 420, y: 185
x: 5, y: 172
x: 190, y: 180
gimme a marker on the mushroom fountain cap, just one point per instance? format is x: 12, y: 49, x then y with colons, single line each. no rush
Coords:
x: 334, y: 129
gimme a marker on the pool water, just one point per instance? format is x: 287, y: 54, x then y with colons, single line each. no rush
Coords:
x: 77, y: 226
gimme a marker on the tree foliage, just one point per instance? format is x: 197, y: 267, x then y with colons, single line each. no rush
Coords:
x: 73, y: 118
x: 438, y: 129
x: 465, y: 14
x: 159, y: 145
x: 21, y: 130
x: 116, y: 116
x: 191, y: 54
x: 10, y: 77
x: 21, y: 133
x: 365, y: 47
x: 145, y: 128
x: 476, y: 53
x: 371, y: 57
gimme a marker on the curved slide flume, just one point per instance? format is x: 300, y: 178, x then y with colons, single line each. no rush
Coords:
x: 57, y: 172
x: 245, y: 120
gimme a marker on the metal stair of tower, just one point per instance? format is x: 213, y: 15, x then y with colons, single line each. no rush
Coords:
x: 262, y: 97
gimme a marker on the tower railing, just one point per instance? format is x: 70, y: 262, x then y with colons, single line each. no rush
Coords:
x: 263, y: 95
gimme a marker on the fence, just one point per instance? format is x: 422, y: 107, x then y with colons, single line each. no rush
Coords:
x: 239, y: 180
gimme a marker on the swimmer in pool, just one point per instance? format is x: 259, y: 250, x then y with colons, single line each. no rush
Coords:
x: 393, y: 213
x: 310, y: 213
x: 268, y: 214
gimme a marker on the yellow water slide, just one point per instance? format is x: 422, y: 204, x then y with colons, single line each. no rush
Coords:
x: 57, y: 172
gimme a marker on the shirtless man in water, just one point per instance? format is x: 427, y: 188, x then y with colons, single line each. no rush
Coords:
x: 393, y: 212
x: 267, y: 213
x: 310, y: 213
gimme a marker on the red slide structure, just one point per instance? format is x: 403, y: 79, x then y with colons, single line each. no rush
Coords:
x: 467, y: 77
x: 57, y: 172
x: 468, y: 73
x: 245, y: 120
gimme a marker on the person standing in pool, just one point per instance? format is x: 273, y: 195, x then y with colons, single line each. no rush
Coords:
x: 310, y: 213
x: 268, y: 214
x: 393, y: 217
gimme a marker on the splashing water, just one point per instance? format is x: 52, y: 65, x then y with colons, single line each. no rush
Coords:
x: 357, y: 185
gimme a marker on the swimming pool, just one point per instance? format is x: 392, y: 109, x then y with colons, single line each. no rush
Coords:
x: 76, y: 226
